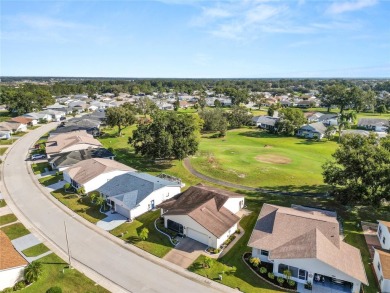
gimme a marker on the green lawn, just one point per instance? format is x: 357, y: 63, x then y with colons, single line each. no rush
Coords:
x: 6, y: 219
x: 7, y: 141
x: 256, y: 158
x: 39, y: 168
x: 124, y: 153
x: 246, y: 280
x: 35, y: 250
x: 49, y: 180
x: 157, y: 243
x: 2, y: 203
x: 2, y: 151
x: 54, y: 274
x: 5, y: 116
x: 15, y: 231
x: 81, y: 206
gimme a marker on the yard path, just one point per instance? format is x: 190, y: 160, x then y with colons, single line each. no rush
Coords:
x: 188, y: 166
x: 107, y: 260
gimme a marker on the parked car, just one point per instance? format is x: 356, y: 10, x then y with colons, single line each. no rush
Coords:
x: 38, y: 156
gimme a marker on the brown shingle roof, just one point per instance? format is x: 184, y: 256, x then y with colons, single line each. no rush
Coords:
x: 204, y: 205
x: 9, y: 256
x: 61, y: 141
x: 289, y: 233
x: 21, y: 119
x: 384, y: 258
x: 86, y: 170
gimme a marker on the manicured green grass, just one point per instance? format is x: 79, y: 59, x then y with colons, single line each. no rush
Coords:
x: 156, y: 244
x: 7, y: 141
x: 2, y: 203
x: 125, y: 154
x: 55, y: 273
x: 81, y: 206
x: 2, y: 151
x: 236, y: 158
x: 49, y: 180
x: 15, y: 231
x: 35, y: 250
x: 6, y: 219
x: 5, y: 116
x: 39, y: 168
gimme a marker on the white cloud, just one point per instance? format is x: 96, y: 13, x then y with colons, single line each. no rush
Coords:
x: 341, y: 7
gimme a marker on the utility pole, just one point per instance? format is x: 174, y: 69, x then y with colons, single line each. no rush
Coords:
x: 67, y: 244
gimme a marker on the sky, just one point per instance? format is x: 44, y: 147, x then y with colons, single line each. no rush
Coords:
x: 196, y: 39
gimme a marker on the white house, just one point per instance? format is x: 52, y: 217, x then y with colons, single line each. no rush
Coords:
x: 12, y: 264
x: 132, y: 194
x: 13, y: 126
x: 307, y: 242
x: 205, y: 214
x: 93, y: 173
x: 381, y: 264
x: 314, y: 130
x: 5, y: 134
x: 38, y: 116
x: 329, y: 119
x: 70, y: 141
x: 55, y: 115
x: 383, y: 234
x: 375, y: 124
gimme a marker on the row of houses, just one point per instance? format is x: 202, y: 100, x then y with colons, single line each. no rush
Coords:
x: 318, y: 124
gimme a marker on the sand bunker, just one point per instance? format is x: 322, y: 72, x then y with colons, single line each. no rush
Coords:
x: 273, y: 159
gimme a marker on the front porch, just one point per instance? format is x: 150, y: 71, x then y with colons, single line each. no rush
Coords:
x: 324, y: 284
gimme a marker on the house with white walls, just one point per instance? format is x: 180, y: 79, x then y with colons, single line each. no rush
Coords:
x: 203, y: 213
x: 70, y: 141
x: 92, y: 173
x: 381, y: 265
x: 383, y: 234
x: 132, y: 194
x: 307, y: 242
x: 12, y: 264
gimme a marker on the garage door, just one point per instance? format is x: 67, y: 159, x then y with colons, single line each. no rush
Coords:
x: 123, y: 211
x: 198, y: 236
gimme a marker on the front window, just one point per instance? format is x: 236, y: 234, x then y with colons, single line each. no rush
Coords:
x: 282, y: 268
x: 175, y: 226
x: 302, y: 274
x: 380, y: 231
x: 379, y: 266
x: 264, y: 252
x: 384, y: 240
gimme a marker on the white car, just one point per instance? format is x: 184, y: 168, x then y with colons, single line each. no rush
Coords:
x: 38, y: 156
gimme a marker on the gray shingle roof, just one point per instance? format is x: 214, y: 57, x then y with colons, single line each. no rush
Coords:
x: 71, y: 158
x: 132, y: 188
x: 373, y: 122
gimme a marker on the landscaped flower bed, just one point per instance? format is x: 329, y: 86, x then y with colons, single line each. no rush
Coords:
x: 213, y: 250
x: 265, y: 270
x: 160, y: 226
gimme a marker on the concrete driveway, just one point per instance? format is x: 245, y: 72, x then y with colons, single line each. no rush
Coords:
x: 186, y: 252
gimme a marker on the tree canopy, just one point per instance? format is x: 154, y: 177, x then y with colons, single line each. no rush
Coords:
x: 214, y: 120
x: 239, y: 117
x: 121, y: 117
x: 168, y: 136
x: 360, y: 171
x: 291, y: 120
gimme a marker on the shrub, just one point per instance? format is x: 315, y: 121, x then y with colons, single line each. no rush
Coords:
x: 66, y: 186
x: 55, y: 289
x: 8, y: 290
x: 81, y: 190
x: 238, y: 231
x: 291, y: 283
x: 19, y: 285
x: 263, y: 270
x: 255, y: 261
x: 208, y: 262
x: 271, y: 276
x: 280, y: 280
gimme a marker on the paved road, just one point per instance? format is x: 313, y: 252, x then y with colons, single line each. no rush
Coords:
x: 134, y: 271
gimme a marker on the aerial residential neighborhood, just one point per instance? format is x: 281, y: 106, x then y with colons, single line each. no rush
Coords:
x: 195, y: 146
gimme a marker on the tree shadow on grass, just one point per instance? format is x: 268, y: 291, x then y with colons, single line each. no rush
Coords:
x: 312, y: 141
x: 133, y: 239
x: 260, y: 134
x: 128, y: 157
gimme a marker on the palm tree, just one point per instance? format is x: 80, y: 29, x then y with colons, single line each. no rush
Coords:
x: 33, y: 271
x: 344, y: 121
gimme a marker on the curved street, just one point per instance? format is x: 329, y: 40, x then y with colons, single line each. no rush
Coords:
x: 107, y: 260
